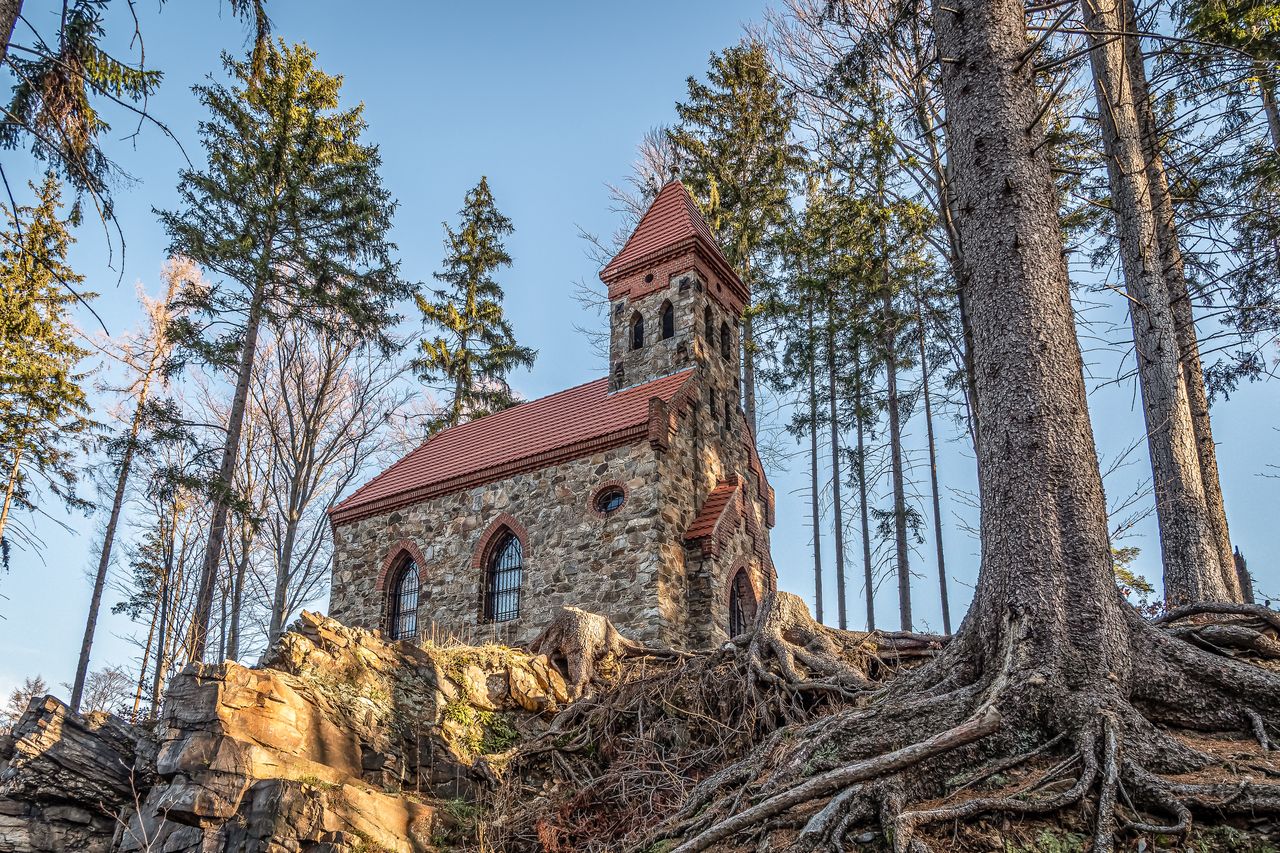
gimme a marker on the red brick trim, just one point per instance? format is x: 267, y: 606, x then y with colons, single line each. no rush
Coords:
x: 401, y: 548
x: 727, y: 589
x: 591, y: 501
x: 503, y: 522
x: 659, y: 424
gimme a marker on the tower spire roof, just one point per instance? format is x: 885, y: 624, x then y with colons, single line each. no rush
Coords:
x: 670, y: 226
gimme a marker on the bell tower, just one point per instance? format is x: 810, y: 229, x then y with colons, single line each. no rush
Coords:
x: 675, y: 302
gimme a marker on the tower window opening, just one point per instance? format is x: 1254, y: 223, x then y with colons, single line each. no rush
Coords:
x: 668, y: 315
x: 708, y: 325
x: 726, y: 341
x: 637, y: 331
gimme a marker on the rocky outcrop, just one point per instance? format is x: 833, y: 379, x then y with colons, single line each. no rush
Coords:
x: 338, y: 741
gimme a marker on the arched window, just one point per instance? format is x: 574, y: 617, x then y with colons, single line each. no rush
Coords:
x: 726, y: 340
x: 402, y: 610
x: 637, y: 331
x: 708, y: 325
x: 503, y: 573
x: 742, y: 604
x: 728, y: 413
x: 668, y: 315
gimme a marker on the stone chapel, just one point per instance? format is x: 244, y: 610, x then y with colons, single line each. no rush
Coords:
x: 639, y: 496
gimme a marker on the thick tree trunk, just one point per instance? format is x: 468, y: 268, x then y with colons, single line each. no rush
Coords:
x: 1046, y: 579
x: 868, y: 575
x: 889, y: 344
x: 9, y: 12
x: 813, y: 475
x: 933, y: 480
x: 1190, y: 550
x: 837, y: 507
x: 226, y: 470
x: 279, y: 599
x: 1179, y: 301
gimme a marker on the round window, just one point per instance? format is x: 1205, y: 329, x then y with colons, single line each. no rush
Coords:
x: 609, y: 499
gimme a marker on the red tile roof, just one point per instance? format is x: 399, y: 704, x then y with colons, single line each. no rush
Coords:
x: 542, y: 432
x: 671, y: 222
x: 717, y: 504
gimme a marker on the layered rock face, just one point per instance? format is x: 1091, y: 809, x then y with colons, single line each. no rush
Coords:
x: 338, y: 742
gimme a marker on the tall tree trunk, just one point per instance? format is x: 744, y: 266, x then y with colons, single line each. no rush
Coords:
x: 860, y: 467
x: 933, y: 479
x: 889, y: 342
x: 109, y: 535
x: 237, y: 593
x: 11, y: 486
x: 1190, y: 550
x: 167, y: 586
x: 813, y: 471
x: 837, y: 507
x: 146, y: 659
x: 1184, y: 323
x: 1267, y: 87
x: 226, y: 470
x: 1045, y: 589
x: 279, y: 599
x: 9, y: 12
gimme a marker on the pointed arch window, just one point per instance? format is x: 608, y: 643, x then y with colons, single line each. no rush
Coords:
x: 742, y: 603
x: 668, y: 319
x: 726, y: 341
x: 402, y: 609
x: 708, y: 325
x: 637, y: 331
x: 504, y: 571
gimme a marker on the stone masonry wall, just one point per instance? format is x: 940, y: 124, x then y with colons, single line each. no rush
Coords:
x: 572, y: 556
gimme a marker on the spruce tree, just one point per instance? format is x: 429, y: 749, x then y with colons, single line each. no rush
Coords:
x: 291, y: 215
x: 736, y: 155
x: 43, y: 410
x: 475, y: 349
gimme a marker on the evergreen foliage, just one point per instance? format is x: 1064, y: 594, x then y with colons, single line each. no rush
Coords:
x: 44, y: 413
x: 291, y: 214
x: 475, y: 349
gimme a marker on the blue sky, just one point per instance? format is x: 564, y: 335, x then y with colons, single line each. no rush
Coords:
x: 548, y: 101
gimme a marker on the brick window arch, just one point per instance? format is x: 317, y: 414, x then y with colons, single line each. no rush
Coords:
x: 400, y: 582
x: 742, y: 601
x: 667, y: 320
x: 500, y: 559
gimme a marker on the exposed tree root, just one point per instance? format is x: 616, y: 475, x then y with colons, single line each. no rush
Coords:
x: 794, y: 725
x: 583, y: 641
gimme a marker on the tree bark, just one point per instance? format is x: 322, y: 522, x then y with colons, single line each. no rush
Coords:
x: 813, y: 473
x: 1191, y: 552
x: 237, y: 593
x: 9, y: 12
x: 1179, y: 301
x: 109, y: 535
x: 1045, y: 584
x: 226, y: 470
x: 901, y: 560
x: 10, y: 487
x: 868, y: 576
x: 837, y: 507
x: 933, y: 480
x: 1267, y: 88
